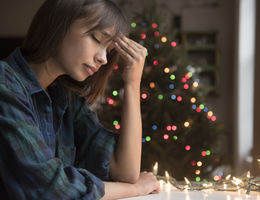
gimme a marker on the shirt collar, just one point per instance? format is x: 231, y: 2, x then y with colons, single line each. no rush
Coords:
x: 17, y: 61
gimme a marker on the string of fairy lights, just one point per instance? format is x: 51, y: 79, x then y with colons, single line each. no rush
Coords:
x: 246, y: 182
x: 188, y: 83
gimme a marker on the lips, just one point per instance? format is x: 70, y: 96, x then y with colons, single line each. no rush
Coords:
x: 90, y: 69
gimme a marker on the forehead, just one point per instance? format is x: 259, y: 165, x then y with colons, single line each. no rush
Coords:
x: 106, y: 30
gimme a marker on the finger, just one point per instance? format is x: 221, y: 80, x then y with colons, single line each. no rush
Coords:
x: 127, y: 47
x: 156, y: 191
x: 141, y: 50
x: 122, y: 52
x: 128, y: 40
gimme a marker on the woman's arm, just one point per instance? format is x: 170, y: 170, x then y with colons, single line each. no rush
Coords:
x: 125, y: 163
x: 146, y: 184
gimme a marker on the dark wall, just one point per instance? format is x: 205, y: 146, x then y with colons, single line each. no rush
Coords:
x: 256, y: 150
x: 7, y: 45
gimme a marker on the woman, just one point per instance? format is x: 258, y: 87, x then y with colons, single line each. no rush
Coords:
x: 52, y: 145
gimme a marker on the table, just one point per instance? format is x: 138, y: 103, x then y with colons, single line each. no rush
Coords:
x: 198, y: 195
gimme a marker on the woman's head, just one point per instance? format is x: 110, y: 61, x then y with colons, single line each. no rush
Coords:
x: 52, y: 24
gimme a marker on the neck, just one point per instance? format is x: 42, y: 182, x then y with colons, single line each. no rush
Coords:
x: 45, y: 72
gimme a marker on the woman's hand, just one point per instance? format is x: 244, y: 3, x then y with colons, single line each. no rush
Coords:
x: 146, y: 184
x: 133, y: 55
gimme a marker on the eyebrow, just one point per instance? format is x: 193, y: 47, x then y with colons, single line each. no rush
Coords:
x: 106, y: 34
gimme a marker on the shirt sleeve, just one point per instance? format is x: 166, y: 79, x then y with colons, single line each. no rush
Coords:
x: 95, y: 144
x: 28, y: 167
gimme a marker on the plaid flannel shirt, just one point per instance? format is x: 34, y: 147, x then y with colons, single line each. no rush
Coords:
x: 50, y: 147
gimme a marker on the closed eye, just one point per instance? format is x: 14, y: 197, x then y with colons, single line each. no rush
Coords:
x: 94, y: 38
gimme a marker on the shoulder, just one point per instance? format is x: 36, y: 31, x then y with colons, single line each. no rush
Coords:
x: 9, y: 79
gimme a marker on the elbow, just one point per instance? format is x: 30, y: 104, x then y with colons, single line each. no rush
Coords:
x: 131, y: 178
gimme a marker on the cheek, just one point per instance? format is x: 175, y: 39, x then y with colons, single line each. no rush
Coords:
x: 75, y: 52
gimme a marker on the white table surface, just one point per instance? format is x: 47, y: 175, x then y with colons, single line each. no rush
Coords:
x: 198, y: 195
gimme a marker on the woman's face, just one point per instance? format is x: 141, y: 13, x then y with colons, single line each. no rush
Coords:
x: 81, y: 54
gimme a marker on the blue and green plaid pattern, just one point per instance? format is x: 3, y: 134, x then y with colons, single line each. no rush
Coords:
x: 51, y: 147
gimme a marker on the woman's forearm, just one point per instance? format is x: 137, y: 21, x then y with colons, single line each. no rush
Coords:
x: 125, y: 165
x: 146, y: 184
x: 116, y: 190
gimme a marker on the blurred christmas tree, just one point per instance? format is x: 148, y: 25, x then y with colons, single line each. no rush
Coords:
x: 179, y: 131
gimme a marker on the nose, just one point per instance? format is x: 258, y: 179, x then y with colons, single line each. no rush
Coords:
x: 101, y: 57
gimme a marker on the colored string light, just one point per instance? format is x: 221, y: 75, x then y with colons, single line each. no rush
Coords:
x: 203, y: 153
x: 194, y: 107
x: 171, y: 86
x: 193, y: 100
x: 166, y: 70
x: 143, y: 36
x: 115, y: 93
x: 186, y: 124
x: 179, y: 98
x: 173, y: 96
x: 184, y: 80
x: 160, y: 97
x: 172, y: 77
x: 168, y: 128
x: 201, y: 106
x: 148, y: 138
x: 174, y: 44
x: 117, y: 126
x: 213, y: 118
x: 154, y: 25
x: 187, y: 147
x: 133, y: 24
x: 155, y: 62
x: 154, y: 127
x: 166, y: 136
x: 115, y: 123
x: 199, y: 163
x: 144, y: 96
x: 217, y: 178
x: 110, y: 101
x: 197, y: 179
x: 175, y: 137
x: 186, y: 86
x: 197, y: 172
x: 156, y: 33
x: 174, y: 128
x: 116, y: 67
x: 198, y: 109
x: 208, y: 152
x: 152, y: 85
x: 210, y: 113
x: 195, y: 84
x: 188, y: 75
x: 164, y: 39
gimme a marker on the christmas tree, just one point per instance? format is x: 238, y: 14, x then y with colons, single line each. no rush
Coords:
x: 179, y: 131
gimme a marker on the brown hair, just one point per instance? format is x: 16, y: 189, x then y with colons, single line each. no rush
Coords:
x: 52, y: 22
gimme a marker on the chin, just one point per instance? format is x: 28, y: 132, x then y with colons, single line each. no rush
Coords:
x: 80, y: 78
